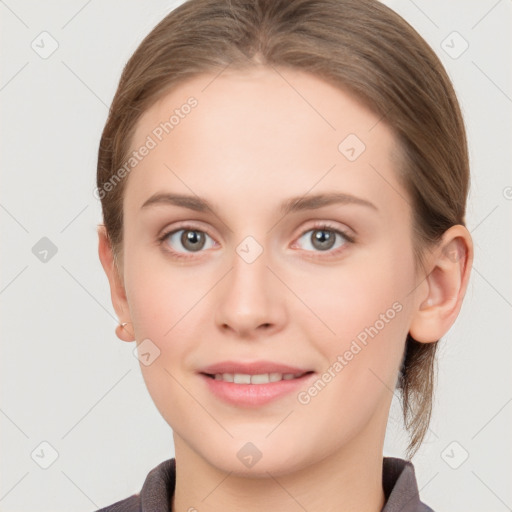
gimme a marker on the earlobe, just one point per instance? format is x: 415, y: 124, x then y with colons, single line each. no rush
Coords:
x: 123, y: 332
x: 117, y: 290
x: 440, y: 296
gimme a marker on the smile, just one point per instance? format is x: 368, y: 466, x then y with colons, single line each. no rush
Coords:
x: 247, y: 390
x: 263, y: 378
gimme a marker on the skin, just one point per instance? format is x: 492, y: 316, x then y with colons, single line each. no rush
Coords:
x: 251, y: 143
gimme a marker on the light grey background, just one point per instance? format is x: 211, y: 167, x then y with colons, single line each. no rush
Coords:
x: 68, y: 381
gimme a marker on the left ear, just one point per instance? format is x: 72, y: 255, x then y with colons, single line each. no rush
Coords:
x: 440, y: 294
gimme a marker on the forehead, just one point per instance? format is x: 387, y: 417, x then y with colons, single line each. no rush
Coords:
x: 252, y: 128
x: 272, y: 99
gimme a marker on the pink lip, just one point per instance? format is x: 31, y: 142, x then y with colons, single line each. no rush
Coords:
x: 254, y: 368
x: 253, y: 395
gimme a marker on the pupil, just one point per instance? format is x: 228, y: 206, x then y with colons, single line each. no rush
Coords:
x: 324, y: 238
x: 192, y: 240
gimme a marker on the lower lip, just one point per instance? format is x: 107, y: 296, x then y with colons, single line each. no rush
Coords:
x: 253, y: 395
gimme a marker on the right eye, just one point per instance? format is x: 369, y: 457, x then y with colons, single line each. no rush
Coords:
x: 190, y: 238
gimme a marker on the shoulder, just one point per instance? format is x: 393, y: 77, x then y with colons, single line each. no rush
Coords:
x: 156, y: 492
x: 400, y: 487
x: 131, y: 504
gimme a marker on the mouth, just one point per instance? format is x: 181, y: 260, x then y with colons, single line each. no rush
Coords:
x: 254, y: 388
x: 258, y: 379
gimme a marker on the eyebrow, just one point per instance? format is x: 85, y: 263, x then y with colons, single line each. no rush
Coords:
x: 293, y: 204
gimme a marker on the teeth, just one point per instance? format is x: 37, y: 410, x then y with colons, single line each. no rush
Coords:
x: 264, y: 378
x: 240, y: 378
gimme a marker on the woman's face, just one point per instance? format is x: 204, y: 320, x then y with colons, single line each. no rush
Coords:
x: 324, y: 285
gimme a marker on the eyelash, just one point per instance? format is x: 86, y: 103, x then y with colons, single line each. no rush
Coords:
x: 321, y: 226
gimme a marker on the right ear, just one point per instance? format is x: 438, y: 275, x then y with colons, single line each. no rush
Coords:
x: 117, y: 290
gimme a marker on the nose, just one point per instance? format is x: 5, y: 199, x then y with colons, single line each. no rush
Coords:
x: 250, y: 299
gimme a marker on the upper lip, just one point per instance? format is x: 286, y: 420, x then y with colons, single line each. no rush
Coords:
x: 253, y: 368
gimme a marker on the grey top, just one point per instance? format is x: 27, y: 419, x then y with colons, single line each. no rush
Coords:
x: 398, y: 482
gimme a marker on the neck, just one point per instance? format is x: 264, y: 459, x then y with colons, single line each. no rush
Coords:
x: 347, y: 480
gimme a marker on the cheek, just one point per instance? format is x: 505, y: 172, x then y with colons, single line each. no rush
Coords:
x: 367, y: 307
x: 356, y: 294
x: 162, y: 310
x: 367, y: 310
x: 159, y: 294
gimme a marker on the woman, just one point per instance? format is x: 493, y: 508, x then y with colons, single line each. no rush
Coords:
x: 283, y: 186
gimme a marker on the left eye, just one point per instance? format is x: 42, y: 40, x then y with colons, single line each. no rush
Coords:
x: 324, y: 238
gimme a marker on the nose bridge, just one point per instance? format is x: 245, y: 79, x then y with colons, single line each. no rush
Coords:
x: 248, y: 280
x: 248, y: 297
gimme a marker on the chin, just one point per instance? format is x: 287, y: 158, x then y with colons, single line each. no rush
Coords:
x: 248, y: 461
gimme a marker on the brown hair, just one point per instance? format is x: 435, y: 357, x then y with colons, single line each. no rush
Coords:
x: 362, y: 47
